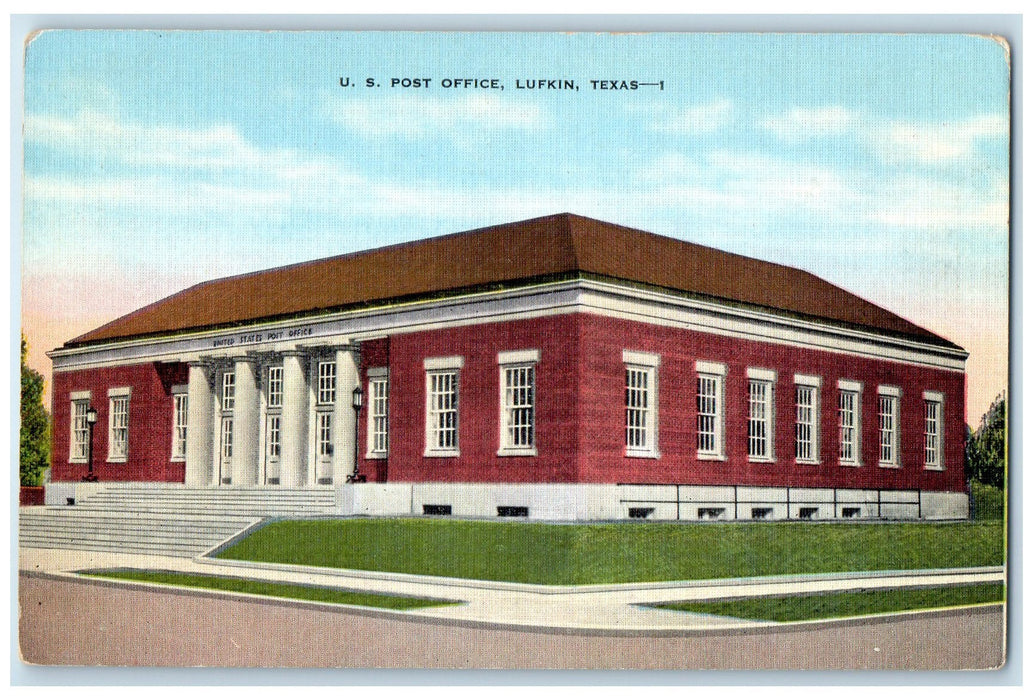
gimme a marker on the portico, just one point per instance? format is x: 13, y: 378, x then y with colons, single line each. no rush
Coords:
x: 272, y: 417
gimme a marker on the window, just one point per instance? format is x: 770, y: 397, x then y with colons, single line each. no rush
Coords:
x: 324, y: 434
x: 640, y: 402
x: 933, y: 429
x: 889, y: 426
x: 179, y: 426
x: 517, y: 402
x: 78, y: 449
x: 226, y: 443
x: 118, y: 425
x: 228, y: 390
x: 275, y: 387
x: 807, y: 412
x: 759, y: 431
x: 442, y: 431
x: 272, y: 437
x: 327, y: 383
x: 710, y: 410
x: 377, y: 422
x: 849, y: 423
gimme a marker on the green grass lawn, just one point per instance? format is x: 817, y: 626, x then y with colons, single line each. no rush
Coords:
x: 849, y: 604
x: 277, y: 590
x: 988, y: 502
x: 617, y: 553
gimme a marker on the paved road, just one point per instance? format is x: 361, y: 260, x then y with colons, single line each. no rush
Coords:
x: 79, y: 622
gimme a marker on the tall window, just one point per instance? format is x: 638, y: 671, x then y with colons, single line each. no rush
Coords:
x: 442, y: 429
x: 759, y: 431
x: 849, y: 423
x: 889, y: 426
x: 272, y: 437
x: 179, y: 427
x: 640, y: 404
x: 275, y: 387
x: 377, y: 418
x: 79, y: 447
x: 710, y: 399
x: 226, y: 442
x: 118, y: 426
x: 807, y: 412
x: 933, y: 430
x: 324, y: 434
x: 327, y: 383
x: 517, y: 402
x: 228, y: 390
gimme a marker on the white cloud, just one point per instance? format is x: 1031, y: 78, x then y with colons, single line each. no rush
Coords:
x: 801, y: 124
x: 414, y: 117
x: 937, y: 143
x: 697, y: 119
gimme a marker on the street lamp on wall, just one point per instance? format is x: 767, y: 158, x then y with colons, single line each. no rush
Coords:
x: 91, y: 420
x: 355, y: 477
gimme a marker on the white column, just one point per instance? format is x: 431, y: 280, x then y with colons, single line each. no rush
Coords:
x: 245, y: 423
x: 199, y: 427
x: 294, y: 422
x: 344, y: 415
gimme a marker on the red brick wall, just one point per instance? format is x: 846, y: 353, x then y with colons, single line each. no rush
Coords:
x: 150, y: 422
x: 601, y: 376
x: 555, y: 417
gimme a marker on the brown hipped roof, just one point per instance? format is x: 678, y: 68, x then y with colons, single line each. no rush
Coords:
x: 551, y: 247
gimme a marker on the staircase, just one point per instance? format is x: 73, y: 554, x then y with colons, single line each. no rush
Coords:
x: 168, y: 520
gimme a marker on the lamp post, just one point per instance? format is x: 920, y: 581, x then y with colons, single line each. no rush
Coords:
x: 355, y: 477
x: 91, y: 420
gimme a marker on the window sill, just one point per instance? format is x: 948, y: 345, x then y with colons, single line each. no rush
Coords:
x: 849, y: 464
x: 518, y: 452
x: 77, y: 460
x: 643, y: 454
x: 180, y: 460
x: 377, y: 455
x: 889, y: 465
x: 761, y: 460
x: 441, y: 453
x: 706, y: 457
x: 117, y: 460
x: 933, y: 467
x: 809, y: 462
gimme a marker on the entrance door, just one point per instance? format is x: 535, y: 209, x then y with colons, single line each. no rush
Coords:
x: 324, y: 447
x: 226, y: 450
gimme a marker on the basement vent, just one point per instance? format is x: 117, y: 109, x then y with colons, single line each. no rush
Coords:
x: 430, y: 509
x: 274, y: 481
x: 808, y: 513
x: 225, y: 480
x: 325, y: 480
x: 761, y: 513
x: 71, y: 501
x: 640, y: 512
x: 851, y: 512
x: 512, y: 511
x: 710, y: 513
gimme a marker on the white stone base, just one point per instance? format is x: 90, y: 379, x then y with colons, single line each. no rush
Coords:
x: 587, y: 502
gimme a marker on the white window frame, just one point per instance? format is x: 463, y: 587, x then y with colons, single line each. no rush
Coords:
x: 273, y: 437
x: 760, y: 379
x: 808, y: 384
x: 118, y: 445
x: 647, y: 366
x: 933, y: 399
x: 511, y: 362
x: 849, y: 388
x: 326, y: 386
x: 180, y: 407
x: 79, y: 398
x: 378, y: 379
x: 229, y: 391
x: 889, y: 426
x: 711, y: 374
x: 434, y: 368
x: 274, y: 387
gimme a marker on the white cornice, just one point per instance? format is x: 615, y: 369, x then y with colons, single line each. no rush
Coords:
x: 547, y: 299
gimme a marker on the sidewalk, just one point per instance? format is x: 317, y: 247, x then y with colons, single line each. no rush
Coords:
x: 611, y: 608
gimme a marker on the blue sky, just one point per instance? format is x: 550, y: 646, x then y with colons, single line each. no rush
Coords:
x: 155, y: 160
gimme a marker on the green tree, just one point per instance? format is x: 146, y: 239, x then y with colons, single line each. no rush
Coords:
x: 35, y: 426
x: 986, y: 447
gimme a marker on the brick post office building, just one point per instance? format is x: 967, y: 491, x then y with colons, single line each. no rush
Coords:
x: 556, y: 368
